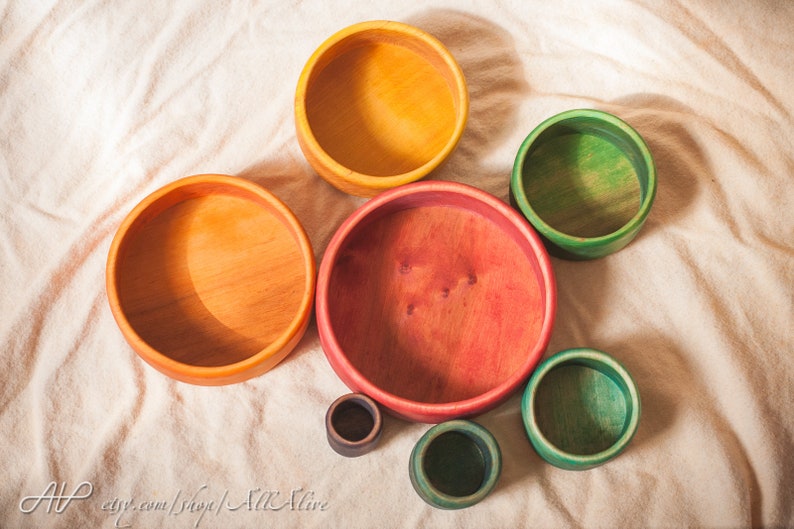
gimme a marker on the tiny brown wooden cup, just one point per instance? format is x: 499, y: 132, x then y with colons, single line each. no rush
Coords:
x: 353, y: 423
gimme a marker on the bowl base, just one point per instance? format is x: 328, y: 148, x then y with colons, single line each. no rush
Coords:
x: 454, y: 464
x: 440, y: 286
x: 391, y: 110
x: 582, y: 185
x: 580, y: 410
x: 194, y: 280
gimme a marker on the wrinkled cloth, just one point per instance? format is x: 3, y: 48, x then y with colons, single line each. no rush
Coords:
x: 103, y: 102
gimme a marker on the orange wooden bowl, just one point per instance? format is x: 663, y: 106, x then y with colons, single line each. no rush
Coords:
x: 436, y: 299
x: 211, y: 279
x: 379, y: 104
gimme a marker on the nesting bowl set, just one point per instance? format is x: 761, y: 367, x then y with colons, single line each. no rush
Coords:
x: 434, y: 301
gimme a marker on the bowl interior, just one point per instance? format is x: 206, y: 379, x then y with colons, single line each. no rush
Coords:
x: 582, y: 407
x: 383, y: 102
x: 455, y: 465
x: 195, y: 275
x: 353, y: 420
x: 436, y: 297
x: 584, y: 176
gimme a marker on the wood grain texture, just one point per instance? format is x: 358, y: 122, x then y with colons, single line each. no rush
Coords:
x: 211, y: 279
x: 379, y: 104
x: 582, y: 184
x: 586, y: 181
x: 581, y: 408
x: 436, y: 299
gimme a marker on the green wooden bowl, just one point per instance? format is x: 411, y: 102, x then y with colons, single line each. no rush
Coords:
x: 586, y: 181
x: 581, y: 408
x: 455, y: 464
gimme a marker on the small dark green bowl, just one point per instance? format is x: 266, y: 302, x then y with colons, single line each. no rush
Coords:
x: 455, y: 464
x: 581, y: 408
x: 586, y: 181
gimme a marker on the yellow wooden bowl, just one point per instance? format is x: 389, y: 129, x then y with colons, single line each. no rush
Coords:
x: 379, y: 104
x: 211, y: 279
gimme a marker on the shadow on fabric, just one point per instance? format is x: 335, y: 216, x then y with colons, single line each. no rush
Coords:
x: 495, y: 78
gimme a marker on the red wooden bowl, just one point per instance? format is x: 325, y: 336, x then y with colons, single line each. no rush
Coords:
x: 436, y: 299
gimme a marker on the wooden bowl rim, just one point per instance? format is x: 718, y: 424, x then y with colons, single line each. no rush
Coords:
x: 572, y: 242
x: 403, y: 407
x: 608, y: 366
x: 361, y: 180
x: 238, y: 370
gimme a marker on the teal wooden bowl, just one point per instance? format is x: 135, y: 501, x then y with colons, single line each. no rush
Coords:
x: 455, y: 464
x: 586, y: 181
x: 581, y: 408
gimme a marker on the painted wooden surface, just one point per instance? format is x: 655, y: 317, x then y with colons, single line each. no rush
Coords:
x: 581, y: 184
x: 211, y: 279
x: 455, y: 464
x: 379, y: 104
x: 581, y: 408
x: 586, y: 181
x: 353, y: 425
x: 436, y: 299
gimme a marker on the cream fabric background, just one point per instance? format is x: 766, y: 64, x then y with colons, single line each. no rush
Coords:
x: 103, y: 102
